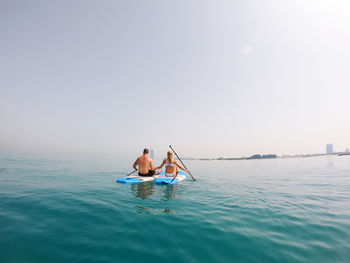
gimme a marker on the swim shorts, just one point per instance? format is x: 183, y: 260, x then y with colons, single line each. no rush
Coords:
x: 150, y: 173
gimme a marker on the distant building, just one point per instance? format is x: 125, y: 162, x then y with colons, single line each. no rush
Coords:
x: 151, y: 154
x: 347, y: 150
x: 329, y: 148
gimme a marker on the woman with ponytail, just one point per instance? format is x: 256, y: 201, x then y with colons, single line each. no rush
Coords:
x: 170, y: 165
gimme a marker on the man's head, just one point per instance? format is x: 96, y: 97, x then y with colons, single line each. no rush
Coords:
x: 145, y: 151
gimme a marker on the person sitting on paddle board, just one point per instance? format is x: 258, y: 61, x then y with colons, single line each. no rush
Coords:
x: 145, y: 165
x: 170, y: 166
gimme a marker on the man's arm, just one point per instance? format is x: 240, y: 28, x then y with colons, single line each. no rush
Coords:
x: 135, y: 163
x: 152, y: 168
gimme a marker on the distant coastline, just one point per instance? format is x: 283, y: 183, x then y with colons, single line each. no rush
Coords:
x: 268, y: 156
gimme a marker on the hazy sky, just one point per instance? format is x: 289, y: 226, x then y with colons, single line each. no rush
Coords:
x: 212, y: 78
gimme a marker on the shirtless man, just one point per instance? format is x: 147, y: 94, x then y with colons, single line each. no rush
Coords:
x: 145, y: 165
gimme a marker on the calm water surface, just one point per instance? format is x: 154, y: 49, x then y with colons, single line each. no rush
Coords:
x: 70, y: 210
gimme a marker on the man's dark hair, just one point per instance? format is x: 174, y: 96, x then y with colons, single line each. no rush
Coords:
x: 145, y: 151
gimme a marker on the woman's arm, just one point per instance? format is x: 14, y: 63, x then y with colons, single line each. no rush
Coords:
x: 160, y: 166
x: 183, y: 169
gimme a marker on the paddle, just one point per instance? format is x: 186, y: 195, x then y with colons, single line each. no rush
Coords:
x: 182, y: 164
x: 131, y: 173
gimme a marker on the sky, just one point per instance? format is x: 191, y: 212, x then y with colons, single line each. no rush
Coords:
x: 212, y: 78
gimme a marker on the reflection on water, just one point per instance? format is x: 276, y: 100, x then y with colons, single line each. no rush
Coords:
x: 143, y: 210
x: 146, y: 210
x: 170, y: 191
x: 143, y: 190
x: 146, y: 189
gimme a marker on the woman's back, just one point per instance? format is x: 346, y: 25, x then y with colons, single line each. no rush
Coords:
x: 169, y: 167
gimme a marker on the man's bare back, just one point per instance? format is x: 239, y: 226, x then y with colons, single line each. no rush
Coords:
x: 144, y: 163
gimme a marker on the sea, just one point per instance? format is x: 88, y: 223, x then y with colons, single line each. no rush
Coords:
x: 71, y: 209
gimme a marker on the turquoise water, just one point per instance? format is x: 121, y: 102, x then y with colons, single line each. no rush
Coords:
x: 72, y: 210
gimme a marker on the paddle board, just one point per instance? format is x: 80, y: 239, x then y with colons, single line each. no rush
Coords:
x: 135, y: 179
x: 158, y: 179
x: 161, y: 179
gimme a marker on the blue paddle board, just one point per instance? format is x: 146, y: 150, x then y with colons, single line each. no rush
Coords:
x: 128, y: 180
x: 161, y: 179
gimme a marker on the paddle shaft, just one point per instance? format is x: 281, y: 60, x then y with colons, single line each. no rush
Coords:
x: 181, y: 163
x: 131, y: 173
